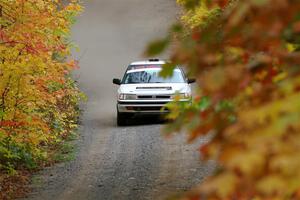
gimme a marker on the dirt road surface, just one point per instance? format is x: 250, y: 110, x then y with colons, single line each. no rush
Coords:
x: 123, y: 163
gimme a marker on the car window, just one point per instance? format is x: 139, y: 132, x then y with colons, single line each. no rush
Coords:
x: 151, y: 75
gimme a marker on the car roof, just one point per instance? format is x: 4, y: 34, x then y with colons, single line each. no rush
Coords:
x: 149, y: 62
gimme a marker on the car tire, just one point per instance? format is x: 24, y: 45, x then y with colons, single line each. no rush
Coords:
x: 121, y: 119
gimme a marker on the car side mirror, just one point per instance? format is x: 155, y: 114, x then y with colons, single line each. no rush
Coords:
x: 191, y: 80
x: 116, y: 81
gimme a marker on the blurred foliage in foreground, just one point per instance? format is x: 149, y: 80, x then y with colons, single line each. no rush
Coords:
x: 244, y: 54
x: 38, y: 98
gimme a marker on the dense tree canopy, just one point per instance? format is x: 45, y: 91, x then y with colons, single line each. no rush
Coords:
x: 244, y: 54
x: 38, y: 98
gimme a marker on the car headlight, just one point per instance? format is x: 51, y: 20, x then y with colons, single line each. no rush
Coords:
x: 127, y: 97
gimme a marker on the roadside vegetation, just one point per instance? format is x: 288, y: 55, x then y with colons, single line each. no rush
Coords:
x: 245, y: 56
x: 39, y: 100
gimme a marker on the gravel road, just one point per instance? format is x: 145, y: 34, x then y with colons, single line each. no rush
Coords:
x: 124, y: 163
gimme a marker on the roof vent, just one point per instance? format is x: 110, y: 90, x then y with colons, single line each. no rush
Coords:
x: 153, y: 59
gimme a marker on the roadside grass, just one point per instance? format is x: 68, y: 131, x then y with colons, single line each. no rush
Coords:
x: 13, y: 186
x: 66, y: 150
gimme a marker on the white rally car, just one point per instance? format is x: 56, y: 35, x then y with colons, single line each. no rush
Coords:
x: 143, y: 91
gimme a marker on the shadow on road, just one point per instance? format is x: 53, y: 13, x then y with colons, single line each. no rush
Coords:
x: 145, y: 120
x: 111, y: 121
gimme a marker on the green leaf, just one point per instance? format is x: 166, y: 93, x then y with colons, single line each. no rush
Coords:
x: 157, y: 47
x: 167, y: 70
x: 177, y: 28
x: 224, y: 105
x: 191, y: 4
x: 1, y: 114
x: 204, y: 103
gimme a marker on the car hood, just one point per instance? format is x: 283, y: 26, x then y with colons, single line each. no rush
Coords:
x: 154, y: 88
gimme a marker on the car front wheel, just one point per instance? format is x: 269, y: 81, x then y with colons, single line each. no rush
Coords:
x: 121, y: 119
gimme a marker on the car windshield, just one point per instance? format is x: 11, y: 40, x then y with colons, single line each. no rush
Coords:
x: 151, y: 75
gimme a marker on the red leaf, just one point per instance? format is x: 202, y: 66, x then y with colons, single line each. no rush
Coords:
x: 196, y: 36
x: 223, y: 3
x: 296, y: 27
x: 8, y: 123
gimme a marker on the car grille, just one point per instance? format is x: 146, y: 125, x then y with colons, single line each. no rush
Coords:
x: 139, y: 102
x: 154, y: 97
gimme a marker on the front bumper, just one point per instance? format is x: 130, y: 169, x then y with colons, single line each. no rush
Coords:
x: 143, y: 107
